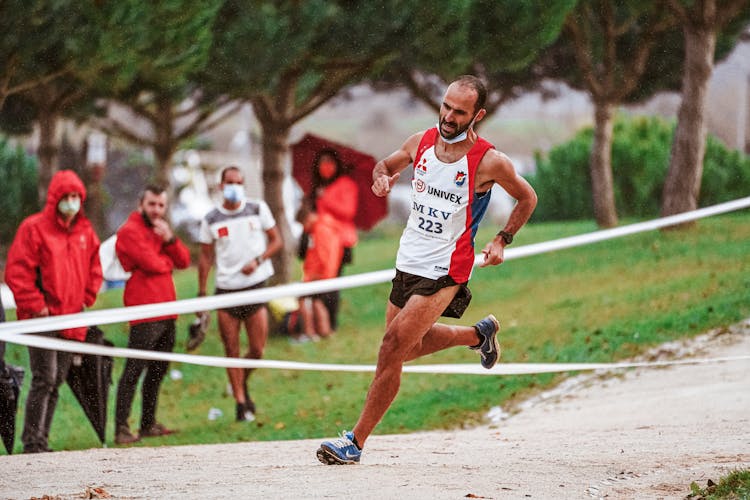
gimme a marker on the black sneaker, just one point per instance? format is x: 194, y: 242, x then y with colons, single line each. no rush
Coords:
x: 124, y: 436
x: 488, y: 347
x: 244, y: 413
x: 197, y: 331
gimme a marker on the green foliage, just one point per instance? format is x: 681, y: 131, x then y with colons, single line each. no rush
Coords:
x: 300, y: 52
x: 622, y: 51
x: 19, y: 198
x: 148, y: 45
x: 734, y: 486
x: 537, y: 23
x: 602, y: 302
x: 640, y: 157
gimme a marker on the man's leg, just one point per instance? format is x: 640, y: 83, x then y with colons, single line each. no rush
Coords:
x: 322, y: 318
x: 139, y: 338
x: 164, y: 333
x: 229, y: 327
x: 62, y: 363
x: 43, y: 365
x: 403, y: 337
x: 441, y: 337
x: 256, y: 327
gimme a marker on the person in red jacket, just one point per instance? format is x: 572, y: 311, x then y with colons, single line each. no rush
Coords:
x: 53, y: 268
x: 334, y: 195
x: 148, y: 248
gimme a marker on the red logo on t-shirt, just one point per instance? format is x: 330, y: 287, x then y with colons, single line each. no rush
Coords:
x: 223, y: 232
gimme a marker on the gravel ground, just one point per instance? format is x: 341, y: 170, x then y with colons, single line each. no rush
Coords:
x: 643, y: 433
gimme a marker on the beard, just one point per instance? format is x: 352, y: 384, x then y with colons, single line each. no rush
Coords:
x: 458, y: 130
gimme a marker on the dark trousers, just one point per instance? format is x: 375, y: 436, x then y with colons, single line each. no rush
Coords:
x: 151, y: 336
x: 49, y: 370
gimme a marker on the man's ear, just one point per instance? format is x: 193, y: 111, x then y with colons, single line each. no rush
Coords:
x: 480, y: 114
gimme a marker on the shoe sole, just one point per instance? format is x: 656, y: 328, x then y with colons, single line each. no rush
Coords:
x: 494, y: 340
x: 329, y: 458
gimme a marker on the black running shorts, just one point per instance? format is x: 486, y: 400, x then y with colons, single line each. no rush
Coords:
x: 243, y: 311
x: 405, y: 285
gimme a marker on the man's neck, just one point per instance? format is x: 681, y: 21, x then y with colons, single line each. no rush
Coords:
x: 231, y: 206
x: 65, y: 221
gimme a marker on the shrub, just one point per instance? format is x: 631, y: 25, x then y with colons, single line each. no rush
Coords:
x: 19, y: 199
x: 640, y: 158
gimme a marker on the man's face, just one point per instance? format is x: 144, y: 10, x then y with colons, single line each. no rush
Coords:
x: 232, y: 176
x: 154, y: 206
x: 457, y: 110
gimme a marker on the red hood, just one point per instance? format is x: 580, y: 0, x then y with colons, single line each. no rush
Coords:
x: 62, y: 183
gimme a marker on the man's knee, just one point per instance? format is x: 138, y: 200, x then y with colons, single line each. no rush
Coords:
x: 396, y: 345
x: 43, y: 384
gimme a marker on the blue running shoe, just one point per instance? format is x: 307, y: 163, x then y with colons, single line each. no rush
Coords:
x: 340, y: 451
x: 488, y: 347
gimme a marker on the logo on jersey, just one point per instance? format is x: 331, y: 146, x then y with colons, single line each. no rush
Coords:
x: 421, y: 168
x: 420, y: 185
x: 446, y: 195
x: 460, y: 178
x: 223, y: 232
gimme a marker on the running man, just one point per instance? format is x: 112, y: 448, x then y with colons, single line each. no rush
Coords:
x: 454, y: 170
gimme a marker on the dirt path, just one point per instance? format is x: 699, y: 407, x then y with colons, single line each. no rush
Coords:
x: 646, y: 434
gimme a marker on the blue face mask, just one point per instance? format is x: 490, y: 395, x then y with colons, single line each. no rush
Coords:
x: 234, y: 193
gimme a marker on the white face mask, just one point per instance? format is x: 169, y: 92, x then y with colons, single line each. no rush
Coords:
x: 233, y: 193
x: 69, y: 207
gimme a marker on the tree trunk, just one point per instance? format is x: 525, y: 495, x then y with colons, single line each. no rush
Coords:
x: 600, y: 163
x: 275, y: 150
x: 165, y: 145
x: 47, y: 151
x: 683, y: 182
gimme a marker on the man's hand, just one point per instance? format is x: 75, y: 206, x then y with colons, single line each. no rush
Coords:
x: 161, y: 227
x: 494, y: 252
x: 251, y: 266
x: 382, y: 185
x: 42, y: 314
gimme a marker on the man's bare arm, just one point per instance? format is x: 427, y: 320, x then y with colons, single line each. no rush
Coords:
x: 388, y: 170
x: 205, y: 261
x: 496, y: 168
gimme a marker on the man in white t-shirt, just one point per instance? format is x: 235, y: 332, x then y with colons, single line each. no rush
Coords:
x: 239, y: 237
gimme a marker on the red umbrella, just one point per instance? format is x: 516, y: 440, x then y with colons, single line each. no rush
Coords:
x: 371, y: 209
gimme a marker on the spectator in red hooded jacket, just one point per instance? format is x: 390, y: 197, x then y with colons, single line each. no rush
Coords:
x: 148, y: 248
x: 334, y: 194
x: 53, y: 268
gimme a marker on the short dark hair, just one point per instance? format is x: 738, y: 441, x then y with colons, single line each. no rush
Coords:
x: 229, y: 169
x: 478, y: 86
x: 152, y: 188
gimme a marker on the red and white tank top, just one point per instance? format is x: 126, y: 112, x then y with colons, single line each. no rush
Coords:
x: 439, y: 237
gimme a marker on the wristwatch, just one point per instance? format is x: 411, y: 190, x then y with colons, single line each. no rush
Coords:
x: 506, y: 236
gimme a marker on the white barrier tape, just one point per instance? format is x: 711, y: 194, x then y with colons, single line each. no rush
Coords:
x: 454, y: 369
x: 608, y: 234
x: 10, y: 331
x: 122, y: 314
x: 119, y: 315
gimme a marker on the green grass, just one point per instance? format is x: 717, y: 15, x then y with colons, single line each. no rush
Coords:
x: 597, y: 303
x: 734, y: 486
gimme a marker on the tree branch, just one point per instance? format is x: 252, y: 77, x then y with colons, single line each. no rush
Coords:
x: 113, y: 127
x: 419, y: 89
x: 329, y: 86
x: 583, y: 56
